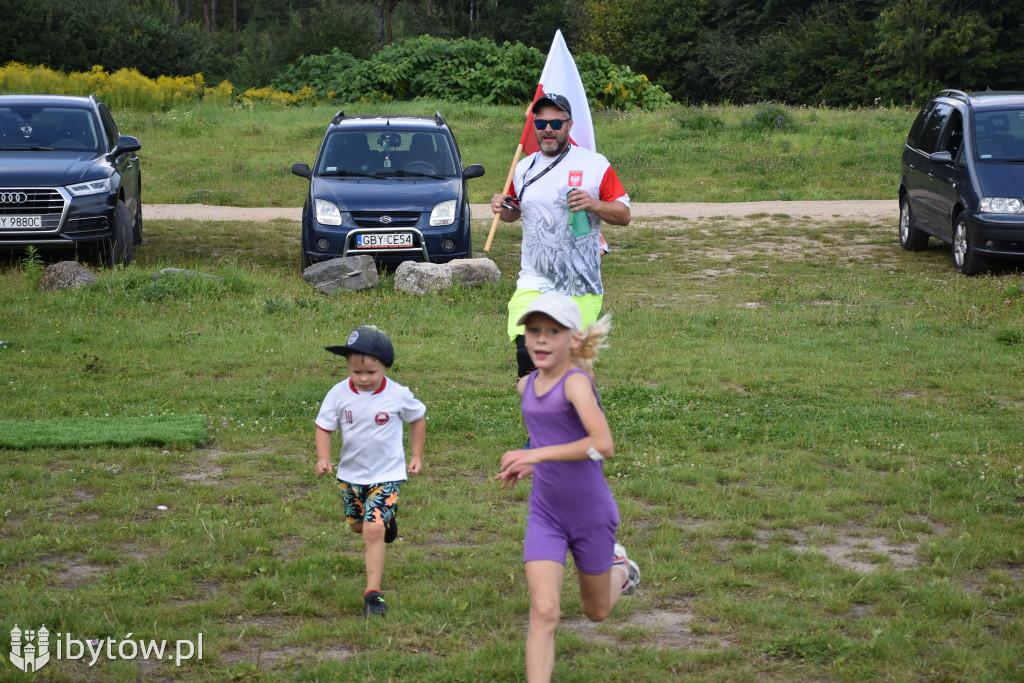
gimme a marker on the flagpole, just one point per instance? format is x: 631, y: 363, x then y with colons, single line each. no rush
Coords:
x: 508, y: 184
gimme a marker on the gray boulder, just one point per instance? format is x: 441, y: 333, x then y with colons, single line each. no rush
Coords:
x: 66, y: 275
x: 419, y: 278
x: 352, y: 272
x: 470, y: 272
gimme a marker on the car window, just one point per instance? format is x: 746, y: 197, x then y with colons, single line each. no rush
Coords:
x: 387, y: 152
x: 999, y: 135
x: 953, y: 137
x: 915, y: 130
x: 58, y: 128
x: 933, y: 127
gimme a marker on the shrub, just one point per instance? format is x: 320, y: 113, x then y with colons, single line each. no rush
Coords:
x: 125, y: 88
x: 700, y: 121
x: 465, y: 70
x: 770, y: 117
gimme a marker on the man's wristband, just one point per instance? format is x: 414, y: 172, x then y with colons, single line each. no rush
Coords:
x: 594, y: 454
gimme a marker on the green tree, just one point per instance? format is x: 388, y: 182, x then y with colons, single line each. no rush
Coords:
x: 820, y: 56
x: 654, y: 37
x: 926, y: 45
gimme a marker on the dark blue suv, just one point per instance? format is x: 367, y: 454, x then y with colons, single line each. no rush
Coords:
x: 962, y: 178
x: 68, y: 178
x: 389, y: 186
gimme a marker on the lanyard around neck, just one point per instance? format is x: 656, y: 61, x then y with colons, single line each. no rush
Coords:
x: 540, y: 175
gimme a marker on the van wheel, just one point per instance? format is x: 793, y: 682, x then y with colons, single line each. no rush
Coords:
x: 966, y: 259
x: 911, y: 238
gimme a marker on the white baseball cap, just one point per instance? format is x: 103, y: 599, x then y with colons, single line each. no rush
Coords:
x: 559, y: 307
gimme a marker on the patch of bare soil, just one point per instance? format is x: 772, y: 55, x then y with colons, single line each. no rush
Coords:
x: 858, y: 548
x: 667, y: 628
x: 77, y: 574
x: 257, y: 657
x: 209, y: 471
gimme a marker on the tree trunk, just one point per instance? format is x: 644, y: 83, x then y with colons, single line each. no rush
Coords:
x: 234, y: 24
x: 206, y: 16
x: 213, y: 15
x: 384, y: 8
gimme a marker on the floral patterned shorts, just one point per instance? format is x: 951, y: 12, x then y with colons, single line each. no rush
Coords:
x: 374, y: 503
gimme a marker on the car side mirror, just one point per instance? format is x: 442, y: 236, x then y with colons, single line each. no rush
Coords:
x: 301, y: 169
x: 473, y: 171
x: 125, y: 143
x: 942, y: 158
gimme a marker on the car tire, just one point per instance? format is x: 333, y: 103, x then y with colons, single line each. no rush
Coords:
x: 966, y: 258
x: 305, y: 261
x: 137, y: 224
x: 119, y: 248
x: 911, y: 237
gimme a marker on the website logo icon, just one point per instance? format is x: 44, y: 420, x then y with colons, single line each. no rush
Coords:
x: 30, y: 650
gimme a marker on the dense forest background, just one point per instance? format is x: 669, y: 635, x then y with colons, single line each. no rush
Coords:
x: 812, y: 52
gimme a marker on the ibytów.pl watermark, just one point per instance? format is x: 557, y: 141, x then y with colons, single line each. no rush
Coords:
x: 31, y: 648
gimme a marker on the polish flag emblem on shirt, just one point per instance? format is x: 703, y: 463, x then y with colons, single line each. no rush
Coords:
x: 382, y: 418
x: 575, y: 178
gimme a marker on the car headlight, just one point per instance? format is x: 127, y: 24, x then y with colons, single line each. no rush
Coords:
x: 92, y: 187
x: 1002, y: 205
x: 327, y: 213
x: 443, y: 213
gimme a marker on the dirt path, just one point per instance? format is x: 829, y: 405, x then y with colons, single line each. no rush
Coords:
x: 858, y: 209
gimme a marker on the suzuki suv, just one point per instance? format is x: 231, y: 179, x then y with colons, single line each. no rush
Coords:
x: 962, y: 178
x: 68, y: 178
x: 389, y: 186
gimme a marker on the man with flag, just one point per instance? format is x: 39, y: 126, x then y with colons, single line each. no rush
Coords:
x: 562, y: 192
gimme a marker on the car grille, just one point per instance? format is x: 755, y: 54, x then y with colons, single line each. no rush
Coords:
x: 37, y: 202
x: 397, y: 219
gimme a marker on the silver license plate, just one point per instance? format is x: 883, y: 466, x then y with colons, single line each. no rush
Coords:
x: 20, y: 222
x: 383, y: 240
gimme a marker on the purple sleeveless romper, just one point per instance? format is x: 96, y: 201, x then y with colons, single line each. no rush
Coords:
x: 571, y: 506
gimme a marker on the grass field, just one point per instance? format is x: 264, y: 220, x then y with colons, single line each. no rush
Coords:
x: 819, y: 464
x: 243, y: 157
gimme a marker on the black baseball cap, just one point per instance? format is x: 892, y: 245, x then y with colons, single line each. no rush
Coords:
x: 553, y: 100
x: 370, y: 341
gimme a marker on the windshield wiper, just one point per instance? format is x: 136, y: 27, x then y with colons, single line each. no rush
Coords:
x: 26, y: 149
x: 350, y: 173
x: 416, y: 174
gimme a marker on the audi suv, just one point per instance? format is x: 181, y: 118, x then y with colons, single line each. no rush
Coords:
x: 68, y: 178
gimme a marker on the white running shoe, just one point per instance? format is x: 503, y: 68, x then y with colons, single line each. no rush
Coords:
x: 632, y: 570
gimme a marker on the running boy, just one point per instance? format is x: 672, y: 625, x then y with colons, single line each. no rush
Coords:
x: 369, y: 409
x: 571, y: 506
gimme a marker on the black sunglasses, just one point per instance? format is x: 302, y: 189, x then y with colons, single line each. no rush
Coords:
x: 556, y: 124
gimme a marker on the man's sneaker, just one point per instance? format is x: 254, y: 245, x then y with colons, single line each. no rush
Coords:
x: 632, y: 571
x: 374, y: 605
x: 391, y: 530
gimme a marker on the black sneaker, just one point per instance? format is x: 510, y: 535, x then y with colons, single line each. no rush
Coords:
x: 391, y: 530
x: 374, y: 605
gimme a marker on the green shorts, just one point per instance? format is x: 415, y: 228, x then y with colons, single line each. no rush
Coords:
x: 373, y: 503
x: 590, y: 309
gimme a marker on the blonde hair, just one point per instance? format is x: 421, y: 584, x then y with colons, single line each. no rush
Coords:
x: 592, y: 340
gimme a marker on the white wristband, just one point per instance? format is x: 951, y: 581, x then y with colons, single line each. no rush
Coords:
x: 594, y: 454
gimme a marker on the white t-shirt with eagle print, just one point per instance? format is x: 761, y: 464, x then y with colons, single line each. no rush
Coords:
x: 371, y: 426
